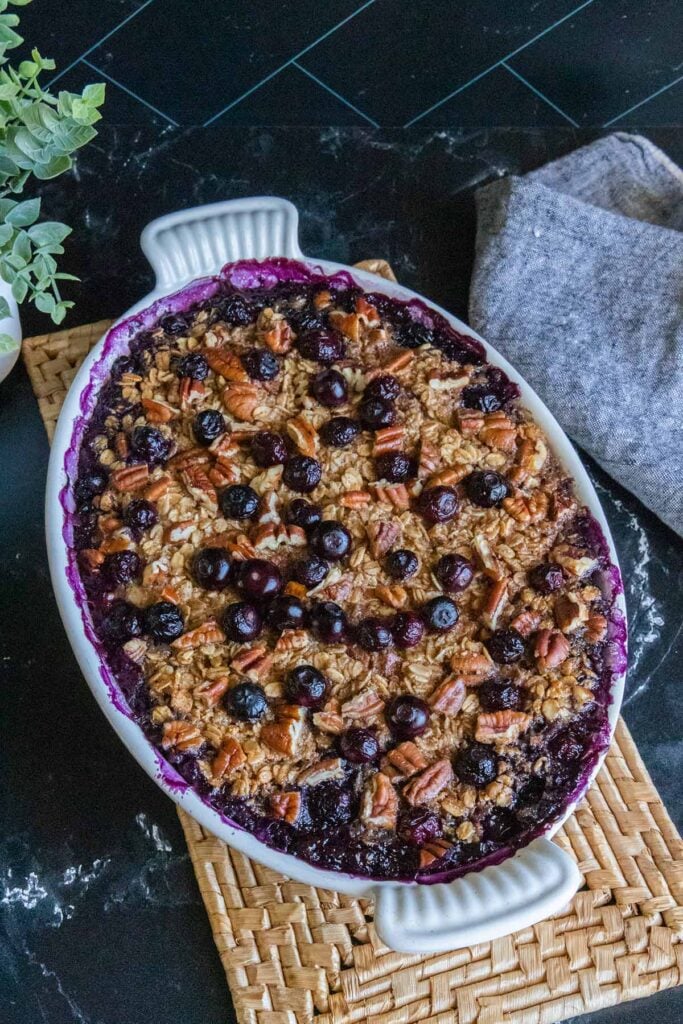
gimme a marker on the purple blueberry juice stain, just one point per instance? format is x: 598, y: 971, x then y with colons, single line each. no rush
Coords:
x: 334, y: 808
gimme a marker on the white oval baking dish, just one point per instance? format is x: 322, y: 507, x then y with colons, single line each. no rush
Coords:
x: 535, y: 882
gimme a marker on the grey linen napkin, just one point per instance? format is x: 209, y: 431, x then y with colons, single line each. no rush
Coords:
x: 578, y: 281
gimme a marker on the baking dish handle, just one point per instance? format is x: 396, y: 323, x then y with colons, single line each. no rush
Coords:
x: 194, y: 243
x: 536, y: 882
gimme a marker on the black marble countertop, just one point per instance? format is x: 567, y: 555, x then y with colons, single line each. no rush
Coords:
x: 102, y: 920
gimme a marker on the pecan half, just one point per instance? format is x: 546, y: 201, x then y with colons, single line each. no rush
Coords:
x: 241, y: 400
x: 403, y: 761
x: 199, y: 486
x: 428, y: 458
x: 395, y: 494
x: 158, y: 412
x: 395, y: 364
x: 208, y: 633
x: 271, y: 536
x: 303, y: 434
x: 363, y: 707
x: 241, y: 548
x: 230, y: 756
x: 366, y: 311
x: 348, y: 323
x: 190, y: 457
x: 157, y: 488
x: 135, y: 649
x: 527, y: 510
x: 382, y: 536
x: 329, y: 722
x: 324, y: 771
x: 279, y: 337
x: 573, y: 560
x: 550, y: 648
x: 495, y: 602
x: 286, y: 805
x: 210, y: 691
x: 469, y: 421
x: 449, y: 696
x: 176, y: 533
x: 472, y: 668
x: 227, y: 363
x: 90, y: 559
x: 130, y: 478
x: 526, y: 622
x: 429, y: 783
x: 253, y: 663
x: 379, y: 803
x: 499, y: 432
x: 181, y: 736
x: 447, y: 477
x: 191, y: 391
x: 355, y: 499
x: 596, y: 629
x: 448, y: 382
x: 389, y: 439
x: 292, y: 639
x: 431, y: 852
x: 395, y: 597
x: 570, y: 612
x: 501, y: 726
x: 284, y: 733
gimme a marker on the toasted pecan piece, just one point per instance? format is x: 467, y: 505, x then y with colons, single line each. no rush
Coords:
x: 364, y: 707
x: 395, y: 596
x: 329, y: 721
x: 158, y: 412
x: 389, y: 439
x: 382, y: 535
x: 570, y: 612
x: 191, y: 391
x: 355, y: 499
x: 284, y: 733
x: 428, y: 459
x: 324, y: 771
x: 227, y: 363
x: 573, y: 560
x: 431, y: 852
x: 449, y: 696
x: 495, y: 602
x: 130, y: 478
x: 210, y: 691
x: 429, y: 783
x: 395, y: 364
x: 303, y: 434
x: 403, y: 761
x: 551, y: 648
x: 241, y: 400
x: 286, y: 805
x: 379, y: 803
x: 230, y: 756
x: 278, y: 336
x: 208, y: 633
x: 526, y: 622
x: 254, y: 663
x: 596, y: 628
x: 181, y: 736
x: 473, y: 668
x: 394, y: 494
x: 501, y: 726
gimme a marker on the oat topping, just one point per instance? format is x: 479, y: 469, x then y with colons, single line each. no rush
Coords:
x: 341, y: 577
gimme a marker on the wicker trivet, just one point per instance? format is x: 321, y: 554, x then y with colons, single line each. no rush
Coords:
x: 293, y: 953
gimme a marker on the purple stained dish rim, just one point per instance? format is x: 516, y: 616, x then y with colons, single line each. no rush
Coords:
x: 180, y: 772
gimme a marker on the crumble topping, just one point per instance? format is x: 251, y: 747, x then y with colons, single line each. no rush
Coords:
x: 342, y: 579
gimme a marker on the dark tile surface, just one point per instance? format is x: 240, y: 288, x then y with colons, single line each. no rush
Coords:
x: 664, y: 108
x: 495, y: 100
x: 64, y: 29
x: 214, y: 52
x: 395, y: 75
x: 120, y: 106
x: 609, y: 57
x: 101, y: 918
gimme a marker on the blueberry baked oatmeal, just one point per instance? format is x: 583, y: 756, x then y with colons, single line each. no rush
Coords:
x: 339, y: 577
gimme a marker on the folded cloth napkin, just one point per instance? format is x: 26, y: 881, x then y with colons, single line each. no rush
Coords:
x: 578, y: 281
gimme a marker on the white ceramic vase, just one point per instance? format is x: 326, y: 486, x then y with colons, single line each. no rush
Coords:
x: 10, y: 325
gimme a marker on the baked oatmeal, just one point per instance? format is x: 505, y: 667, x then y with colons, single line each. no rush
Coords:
x: 339, y: 576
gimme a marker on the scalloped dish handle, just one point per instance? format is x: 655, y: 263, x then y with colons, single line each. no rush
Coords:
x: 533, y: 884
x: 198, y: 242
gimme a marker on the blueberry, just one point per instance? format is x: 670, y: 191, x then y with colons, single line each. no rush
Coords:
x: 376, y: 413
x: 212, y: 568
x: 122, y: 567
x: 239, y: 501
x: 476, y: 765
x: 486, y: 488
x: 500, y: 695
x: 164, y: 622
x: 246, y: 701
x: 328, y: 622
x: 438, y: 504
x: 359, y: 746
x: 329, y: 805
x: 174, y: 324
x: 481, y: 397
x: 261, y: 364
x: 306, y: 686
x: 207, y: 426
x: 89, y: 484
x: 420, y: 826
x: 500, y: 824
x: 440, y: 614
x: 150, y: 445
x: 329, y: 388
x: 413, y: 334
x: 302, y: 474
x: 193, y: 365
x: 241, y: 621
x: 269, y: 449
x: 259, y: 579
x: 310, y: 571
x: 285, y: 612
x: 407, y: 629
x: 374, y: 634
x: 546, y: 577
x: 140, y: 514
x: 407, y: 716
x: 402, y: 564
x: 237, y: 310
x: 505, y: 646
x: 566, y: 747
x: 330, y: 540
x: 339, y: 432
x: 303, y: 513
x: 307, y: 319
x: 122, y: 622
x: 322, y: 346
x: 454, y: 573
x: 396, y: 467
x: 385, y: 387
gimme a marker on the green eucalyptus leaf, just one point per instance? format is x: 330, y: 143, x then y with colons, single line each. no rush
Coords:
x: 59, y: 312
x: 4, y: 308
x: 20, y: 288
x: 48, y: 232
x: 53, y: 167
x: 7, y: 343
x: 7, y: 272
x: 24, y: 213
x: 22, y: 246
x: 45, y: 302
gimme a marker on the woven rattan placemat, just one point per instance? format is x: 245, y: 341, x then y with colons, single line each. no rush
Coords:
x: 293, y: 953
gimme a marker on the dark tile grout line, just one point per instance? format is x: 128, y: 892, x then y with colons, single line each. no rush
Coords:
x: 291, y: 60
x: 658, y: 92
x: 99, y: 42
x: 334, y: 93
x: 542, y: 96
x: 508, y: 56
x: 124, y: 88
